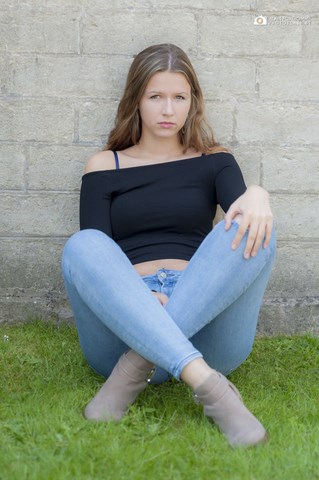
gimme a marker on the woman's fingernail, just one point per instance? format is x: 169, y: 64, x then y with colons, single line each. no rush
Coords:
x: 233, y: 246
x: 246, y: 255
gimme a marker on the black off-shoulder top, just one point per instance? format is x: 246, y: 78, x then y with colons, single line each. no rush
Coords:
x: 161, y: 210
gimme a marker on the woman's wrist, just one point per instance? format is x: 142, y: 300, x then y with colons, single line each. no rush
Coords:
x: 258, y: 188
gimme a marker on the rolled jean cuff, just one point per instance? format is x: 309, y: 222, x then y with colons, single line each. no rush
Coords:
x: 176, y: 372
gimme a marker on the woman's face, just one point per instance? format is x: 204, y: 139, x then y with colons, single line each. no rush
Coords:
x: 165, y: 104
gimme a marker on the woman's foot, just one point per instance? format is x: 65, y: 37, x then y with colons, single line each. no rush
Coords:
x: 128, y: 378
x: 223, y: 404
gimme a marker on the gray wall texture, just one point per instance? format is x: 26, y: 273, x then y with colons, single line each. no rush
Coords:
x: 63, y: 66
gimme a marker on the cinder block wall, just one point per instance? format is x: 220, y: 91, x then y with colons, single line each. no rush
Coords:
x: 63, y: 66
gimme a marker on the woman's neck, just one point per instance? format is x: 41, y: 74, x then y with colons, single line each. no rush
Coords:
x: 159, y: 148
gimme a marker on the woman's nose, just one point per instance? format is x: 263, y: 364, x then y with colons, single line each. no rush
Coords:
x: 168, y: 107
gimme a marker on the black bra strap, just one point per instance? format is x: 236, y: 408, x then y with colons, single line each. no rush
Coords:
x: 116, y: 160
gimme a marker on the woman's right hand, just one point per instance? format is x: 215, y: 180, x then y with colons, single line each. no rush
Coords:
x: 161, y: 296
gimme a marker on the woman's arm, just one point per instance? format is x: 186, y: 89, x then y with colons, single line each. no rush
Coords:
x: 96, y: 193
x: 252, y: 211
x: 250, y: 206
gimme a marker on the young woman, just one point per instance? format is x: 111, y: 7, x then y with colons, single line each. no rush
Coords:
x: 151, y: 284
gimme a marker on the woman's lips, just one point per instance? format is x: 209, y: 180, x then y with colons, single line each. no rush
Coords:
x: 167, y: 124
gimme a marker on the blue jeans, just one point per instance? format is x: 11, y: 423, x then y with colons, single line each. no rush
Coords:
x: 212, y: 310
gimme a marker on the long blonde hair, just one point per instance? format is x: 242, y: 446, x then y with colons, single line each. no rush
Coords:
x: 196, y: 132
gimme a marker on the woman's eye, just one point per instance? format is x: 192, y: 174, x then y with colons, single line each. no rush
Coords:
x: 180, y: 97
x: 155, y: 97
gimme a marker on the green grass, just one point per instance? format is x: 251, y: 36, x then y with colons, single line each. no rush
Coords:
x: 45, y: 383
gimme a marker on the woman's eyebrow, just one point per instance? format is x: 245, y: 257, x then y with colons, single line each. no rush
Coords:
x: 158, y: 91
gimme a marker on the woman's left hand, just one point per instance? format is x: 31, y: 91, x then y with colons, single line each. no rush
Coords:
x: 253, y: 211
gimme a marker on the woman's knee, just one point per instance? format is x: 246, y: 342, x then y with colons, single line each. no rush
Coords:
x: 81, y: 243
x: 84, y: 239
x: 219, y: 228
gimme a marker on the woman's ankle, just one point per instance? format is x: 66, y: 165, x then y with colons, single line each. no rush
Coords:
x: 138, y: 361
x: 197, y: 372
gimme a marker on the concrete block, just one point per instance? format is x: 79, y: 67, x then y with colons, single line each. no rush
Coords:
x: 96, y: 119
x: 150, y: 4
x: 51, y: 214
x: 31, y: 263
x: 131, y: 32
x: 299, y: 82
x: 57, y: 167
x: 220, y: 116
x: 208, y: 4
x: 295, y: 216
x: 4, y: 75
x: 87, y: 5
x: 296, y: 271
x: 36, y: 120
x: 21, y: 305
x: 14, y: 309
x: 237, y: 35
x: 225, y: 78
x: 273, y: 123
x: 12, y: 161
x: 291, y: 169
x: 40, y: 5
x: 8, y: 3
x: 248, y: 158
x: 31, y: 30
x: 297, y: 317
x: 291, y: 303
x: 311, y: 37
x: 70, y: 4
x: 303, y: 7
x: 74, y: 76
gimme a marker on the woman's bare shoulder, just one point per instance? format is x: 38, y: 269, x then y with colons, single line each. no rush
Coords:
x: 100, y: 161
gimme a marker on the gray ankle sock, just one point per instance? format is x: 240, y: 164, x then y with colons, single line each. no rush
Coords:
x: 127, y: 380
